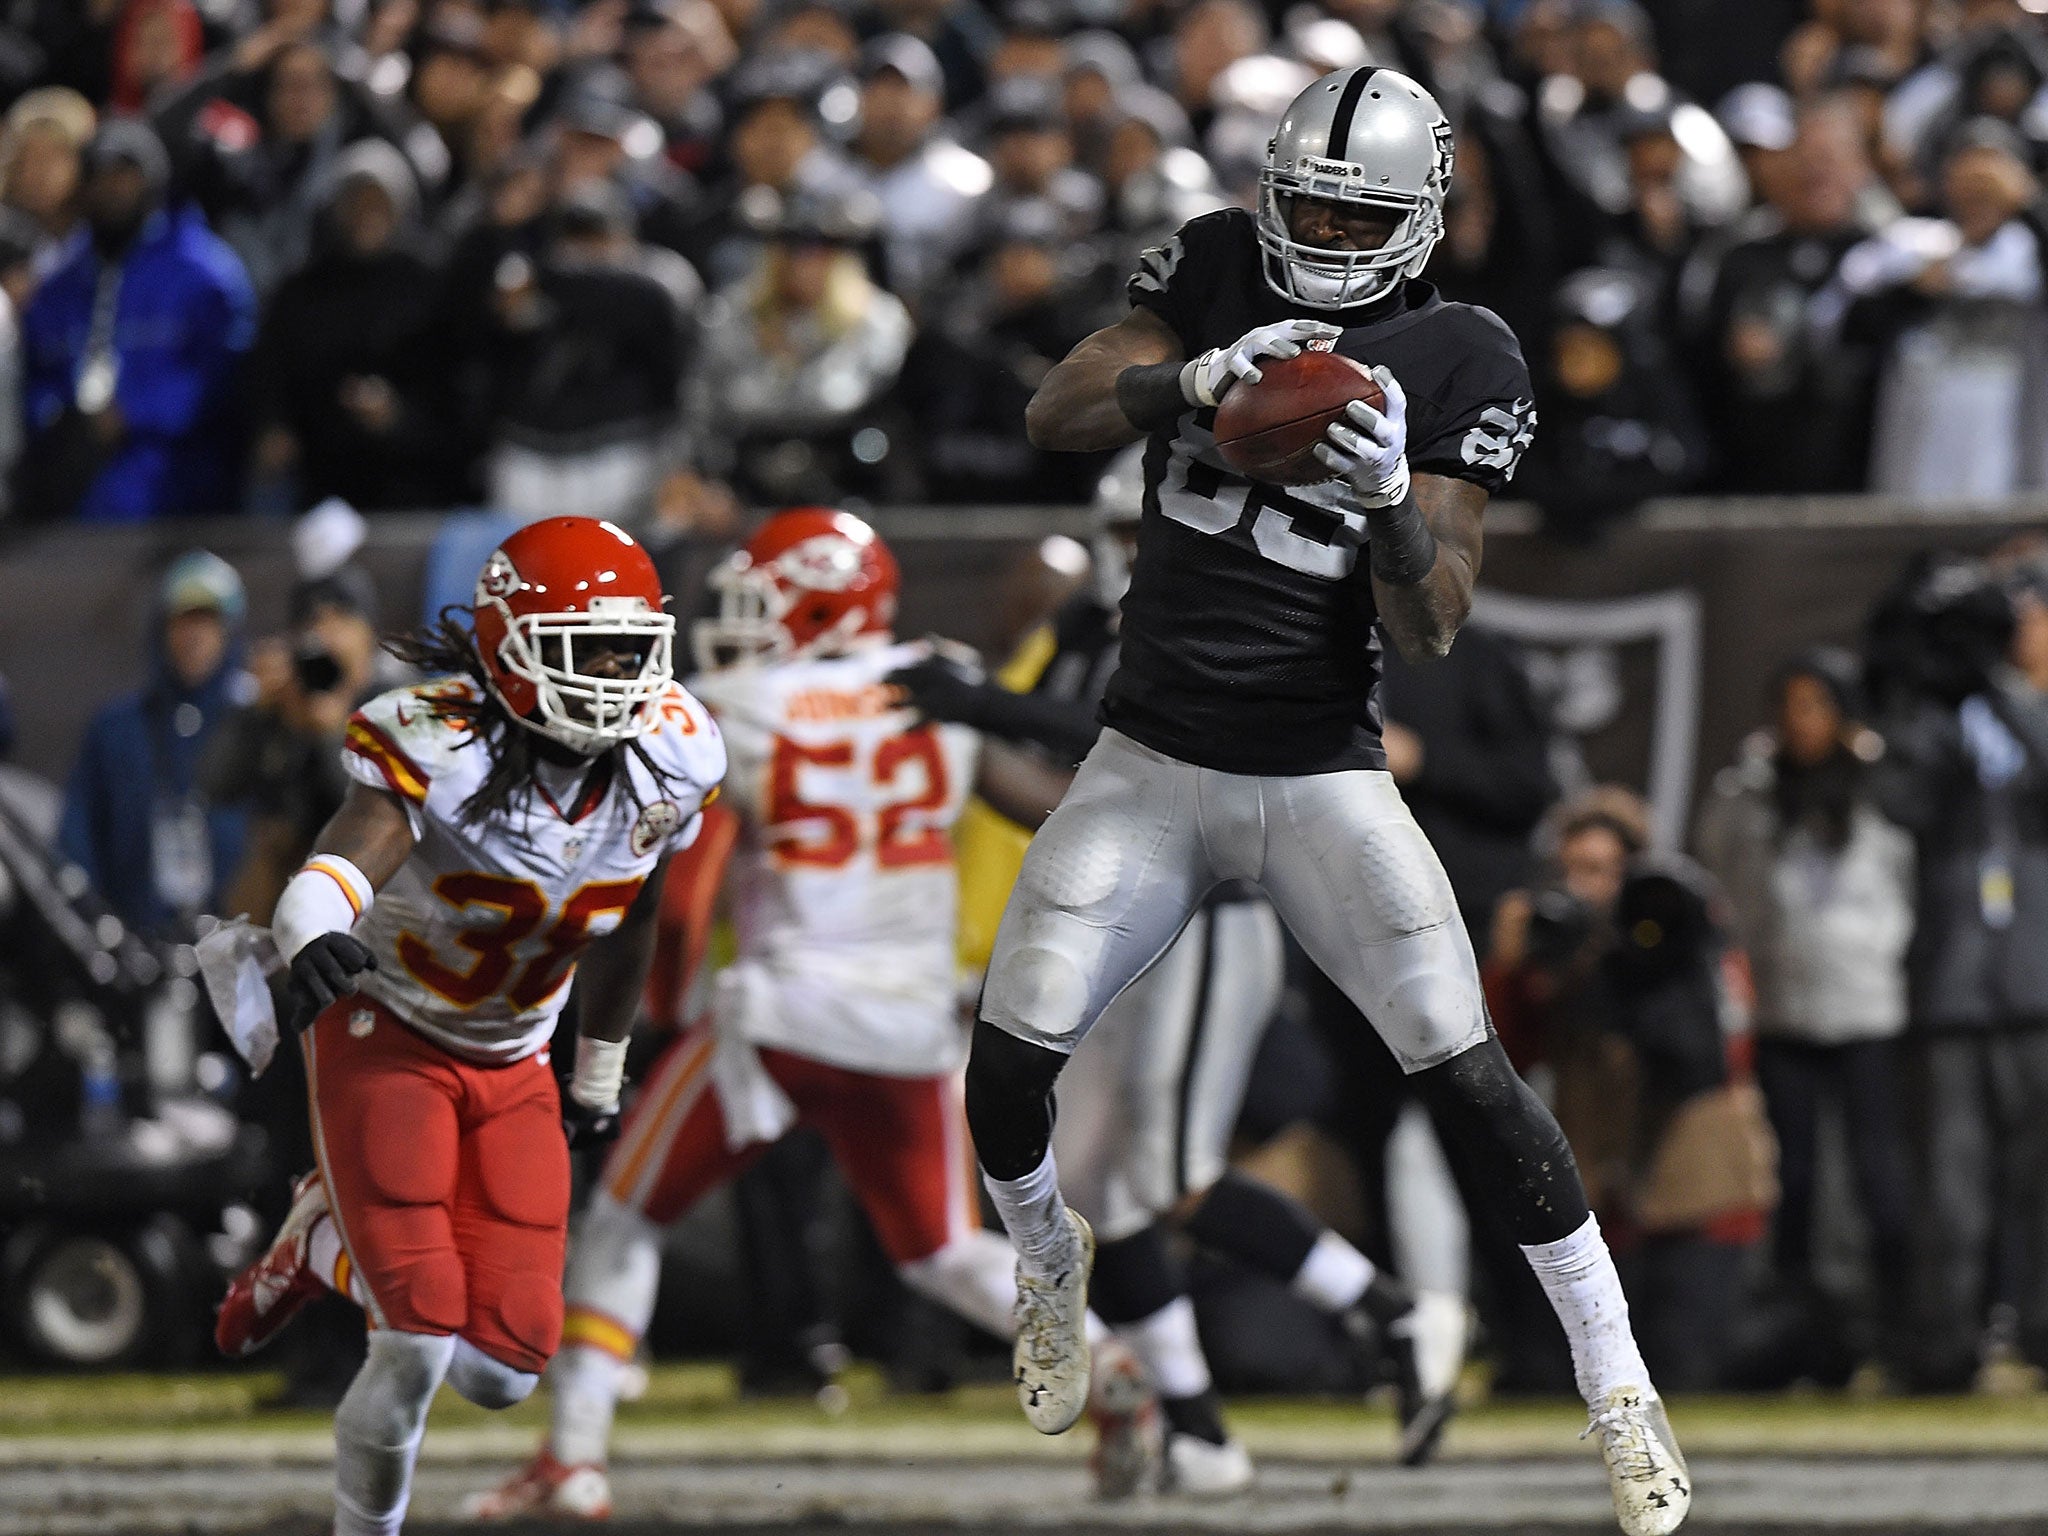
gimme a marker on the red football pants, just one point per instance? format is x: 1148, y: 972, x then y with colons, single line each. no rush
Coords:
x: 901, y: 1143
x: 449, y: 1182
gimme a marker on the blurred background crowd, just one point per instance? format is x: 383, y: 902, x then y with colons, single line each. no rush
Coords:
x: 640, y: 255
x: 679, y: 261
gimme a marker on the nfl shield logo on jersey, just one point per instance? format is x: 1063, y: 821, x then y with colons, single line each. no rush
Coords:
x: 657, y: 823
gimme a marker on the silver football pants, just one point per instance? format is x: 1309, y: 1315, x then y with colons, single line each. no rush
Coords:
x: 1117, y: 870
x: 1145, y: 1118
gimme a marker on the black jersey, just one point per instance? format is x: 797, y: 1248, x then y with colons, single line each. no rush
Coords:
x: 1249, y: 642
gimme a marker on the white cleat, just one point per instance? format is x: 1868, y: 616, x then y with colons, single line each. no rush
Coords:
x: 1652, y: 1489
x: 1193, y: 1465
x: 1125, y: 1411
x: 1429, y: 1349
x: 1050, y: 1361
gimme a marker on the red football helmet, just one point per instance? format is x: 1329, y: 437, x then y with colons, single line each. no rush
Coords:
x: 811, y: 582
x: 564, y: 588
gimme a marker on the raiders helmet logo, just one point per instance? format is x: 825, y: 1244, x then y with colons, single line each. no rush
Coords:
x: 1440, y: 167
x: 658, y: 823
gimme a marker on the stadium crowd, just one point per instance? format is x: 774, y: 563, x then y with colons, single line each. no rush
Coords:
x: 641, y: 255
x: 666, y: 259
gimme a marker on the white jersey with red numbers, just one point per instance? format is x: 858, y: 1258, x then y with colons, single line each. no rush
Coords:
x: 843, y: 891
x: 477, y: 935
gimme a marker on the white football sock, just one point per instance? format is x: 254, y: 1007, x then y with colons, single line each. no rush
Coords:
x: 1334, y: 1275
x: 583, y: 1390
x: 377, y: 1430
x: 614, y: 1273
x: 1577, y: 1274
x: 330, y: 1261
x: 1035, y: 1217
x: 1169, y: 1347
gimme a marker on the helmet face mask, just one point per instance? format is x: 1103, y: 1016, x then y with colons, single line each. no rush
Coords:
x: 1363, y: 138
x: 570, y: 628
x: 583, y: 709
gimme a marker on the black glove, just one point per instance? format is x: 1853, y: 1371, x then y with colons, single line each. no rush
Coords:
x: 942, y: 689
x: 587, y: 1127
x: 322, y: 971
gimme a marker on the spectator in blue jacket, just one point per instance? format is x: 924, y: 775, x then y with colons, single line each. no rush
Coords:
x: 131, y: 348
x: 134, y: 819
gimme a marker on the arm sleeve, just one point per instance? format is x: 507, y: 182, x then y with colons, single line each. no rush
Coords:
x: 1485, y: 418
x: 1067, y: 728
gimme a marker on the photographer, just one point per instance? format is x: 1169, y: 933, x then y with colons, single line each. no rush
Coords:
x: 1962, y: 650
x: 280, y: 757
x: 1614, y: 977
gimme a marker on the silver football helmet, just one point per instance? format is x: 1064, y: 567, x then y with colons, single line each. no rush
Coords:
x: 1371, y: 138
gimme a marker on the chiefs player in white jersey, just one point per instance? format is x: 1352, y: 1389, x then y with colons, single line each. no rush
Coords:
x: 840, y: 1011
x: 507, y: 829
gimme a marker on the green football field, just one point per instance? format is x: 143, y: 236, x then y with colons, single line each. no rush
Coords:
x: 695, y: 1410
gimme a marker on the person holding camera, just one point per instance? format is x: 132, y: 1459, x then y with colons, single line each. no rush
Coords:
x: 1965, y: 771
x: 1820, y: 886
x: 280, y: 756
x: 1616, y: 978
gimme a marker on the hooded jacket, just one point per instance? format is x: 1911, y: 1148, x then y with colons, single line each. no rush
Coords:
x: 138, y: 764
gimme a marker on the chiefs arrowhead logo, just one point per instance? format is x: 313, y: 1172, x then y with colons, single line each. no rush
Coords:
x: 500, y: 578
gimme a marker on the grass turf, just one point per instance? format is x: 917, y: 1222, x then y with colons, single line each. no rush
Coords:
x: 695, y: 1410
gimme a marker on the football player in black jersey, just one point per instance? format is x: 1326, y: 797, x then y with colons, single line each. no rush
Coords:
x: 1242, y: 725
x: 1147, y: 1113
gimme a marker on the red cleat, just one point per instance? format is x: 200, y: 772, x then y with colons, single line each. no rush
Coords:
x: 544, y: 1486
x: 1125, y: 1410
x: 270, y: 1292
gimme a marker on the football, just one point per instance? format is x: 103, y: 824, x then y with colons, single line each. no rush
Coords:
x: 1269, y: 430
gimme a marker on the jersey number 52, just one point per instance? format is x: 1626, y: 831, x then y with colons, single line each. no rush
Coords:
x: 887, y: 797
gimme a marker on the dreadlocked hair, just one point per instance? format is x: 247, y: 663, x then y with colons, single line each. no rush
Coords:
x: 447, y: 648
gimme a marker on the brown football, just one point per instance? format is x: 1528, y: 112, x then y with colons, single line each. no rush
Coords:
x: 1269, y: 430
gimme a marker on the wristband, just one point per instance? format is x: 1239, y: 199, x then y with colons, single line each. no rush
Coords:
x: 1150, y: 395
x: 327, y: 895
x: 1399, y: 545
x: 600, y: 1072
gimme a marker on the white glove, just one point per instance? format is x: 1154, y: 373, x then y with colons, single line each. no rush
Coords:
x: 1370, y: 448
x: 1205, y: 380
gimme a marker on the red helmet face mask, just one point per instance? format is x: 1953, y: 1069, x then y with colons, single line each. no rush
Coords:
x: 570, y: 628
x: 811, y: 582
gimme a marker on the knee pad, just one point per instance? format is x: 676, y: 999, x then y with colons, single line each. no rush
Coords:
x: 1009, y: 1100
x: 1043, y: 993
x: 427, y: 1295
x: 521, y: 1321
x: 487, y: 1382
